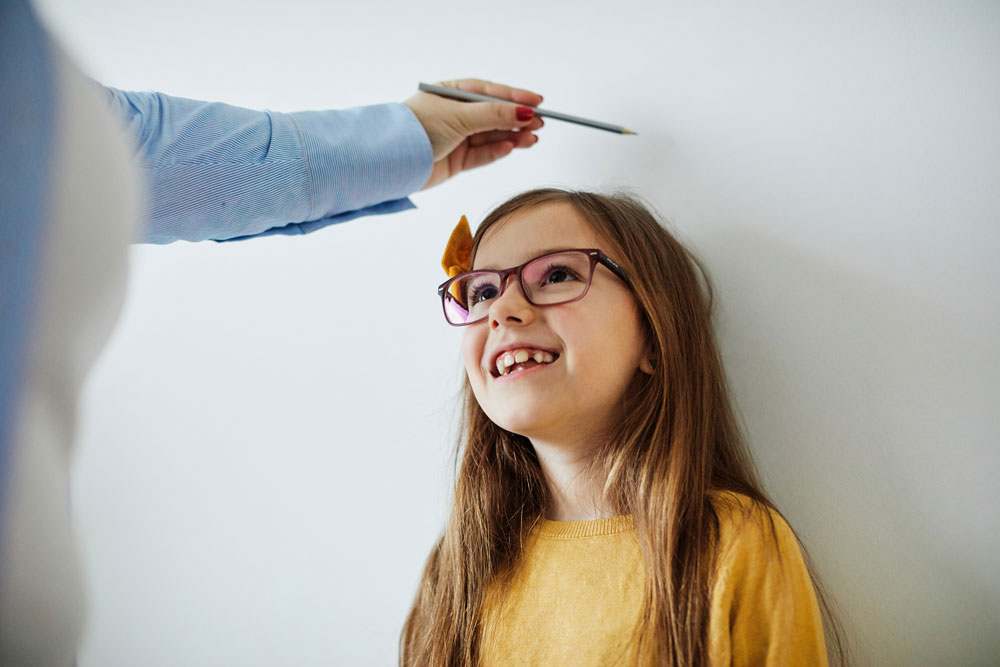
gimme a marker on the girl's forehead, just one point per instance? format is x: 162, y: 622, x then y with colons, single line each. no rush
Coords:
x: 531, y: 232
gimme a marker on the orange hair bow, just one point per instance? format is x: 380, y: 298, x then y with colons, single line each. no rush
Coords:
x: 458, y: 252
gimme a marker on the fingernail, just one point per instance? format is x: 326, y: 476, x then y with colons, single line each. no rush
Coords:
x: 525, y: 113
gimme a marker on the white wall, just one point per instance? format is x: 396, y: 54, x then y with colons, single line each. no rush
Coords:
x: 264, y: 456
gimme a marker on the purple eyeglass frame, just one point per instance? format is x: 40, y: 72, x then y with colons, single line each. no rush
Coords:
x: 596, y: 257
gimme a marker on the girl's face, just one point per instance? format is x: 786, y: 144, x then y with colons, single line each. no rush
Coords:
x: 596, y: 342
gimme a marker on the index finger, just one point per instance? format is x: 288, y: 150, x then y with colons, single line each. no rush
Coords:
x: 519, y: 95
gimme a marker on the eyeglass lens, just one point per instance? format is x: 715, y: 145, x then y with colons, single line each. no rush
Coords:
x: 548, y: 280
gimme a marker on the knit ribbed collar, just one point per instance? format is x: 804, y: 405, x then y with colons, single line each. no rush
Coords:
x: 547, y: 528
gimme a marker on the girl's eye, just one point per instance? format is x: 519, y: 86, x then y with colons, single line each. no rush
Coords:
x: 480, y: 293
x: 558, y: 274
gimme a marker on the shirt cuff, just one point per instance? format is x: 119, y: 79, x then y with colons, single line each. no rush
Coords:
x: 362, y: 156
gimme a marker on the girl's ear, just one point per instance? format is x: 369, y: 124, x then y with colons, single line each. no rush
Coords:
x: 647, y: 364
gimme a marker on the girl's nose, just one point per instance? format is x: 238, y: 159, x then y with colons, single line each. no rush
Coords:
x: 511, y: 308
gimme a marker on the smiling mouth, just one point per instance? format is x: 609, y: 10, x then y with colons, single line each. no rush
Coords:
x: 515, y: 361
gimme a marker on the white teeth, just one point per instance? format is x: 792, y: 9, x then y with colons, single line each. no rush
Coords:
x: 507, y: 360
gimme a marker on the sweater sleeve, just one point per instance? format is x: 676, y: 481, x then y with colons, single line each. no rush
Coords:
x: 764, y: 609
x: 215, y: 171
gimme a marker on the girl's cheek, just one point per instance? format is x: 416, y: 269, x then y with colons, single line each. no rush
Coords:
x: 472, y: 350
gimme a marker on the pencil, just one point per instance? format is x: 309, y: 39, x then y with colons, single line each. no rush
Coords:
x: 457, y: 94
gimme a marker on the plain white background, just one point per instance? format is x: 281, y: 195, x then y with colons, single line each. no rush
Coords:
x: 264, y: 457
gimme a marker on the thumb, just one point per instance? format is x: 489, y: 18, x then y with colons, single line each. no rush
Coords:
x: 486, y: 116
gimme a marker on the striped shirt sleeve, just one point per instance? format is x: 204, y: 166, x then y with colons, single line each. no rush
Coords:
x: 215, y: 171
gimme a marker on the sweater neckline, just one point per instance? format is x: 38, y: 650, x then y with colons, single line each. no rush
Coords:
x: 591, y: 528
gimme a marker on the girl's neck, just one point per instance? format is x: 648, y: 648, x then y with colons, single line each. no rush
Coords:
x: 574, y: 493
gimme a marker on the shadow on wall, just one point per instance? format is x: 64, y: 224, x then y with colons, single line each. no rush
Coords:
x: 868, y: 410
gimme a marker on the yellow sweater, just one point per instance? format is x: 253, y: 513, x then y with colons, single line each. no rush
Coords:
x: 575, y: 597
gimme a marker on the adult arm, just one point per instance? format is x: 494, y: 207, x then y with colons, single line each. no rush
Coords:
x: 216, y: 171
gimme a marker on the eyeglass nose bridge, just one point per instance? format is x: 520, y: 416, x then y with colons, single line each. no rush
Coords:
x: 507, y: 273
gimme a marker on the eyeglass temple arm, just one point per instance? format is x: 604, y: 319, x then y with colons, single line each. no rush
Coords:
x: 613, y: 265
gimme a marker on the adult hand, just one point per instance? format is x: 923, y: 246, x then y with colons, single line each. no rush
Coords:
x: 465, y: 135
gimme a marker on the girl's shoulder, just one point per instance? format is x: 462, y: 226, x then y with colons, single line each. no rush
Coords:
x: 764, y: 606
x: 751, y: 530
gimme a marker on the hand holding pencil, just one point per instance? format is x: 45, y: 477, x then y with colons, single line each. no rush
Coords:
x: 467, y: 96
x: 464, y: 136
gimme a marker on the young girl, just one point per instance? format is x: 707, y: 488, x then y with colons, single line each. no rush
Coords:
x: 606, y: 511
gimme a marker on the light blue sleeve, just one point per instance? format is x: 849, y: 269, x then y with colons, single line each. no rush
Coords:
x: 215, y: 171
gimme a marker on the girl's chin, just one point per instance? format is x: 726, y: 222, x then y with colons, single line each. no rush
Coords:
x: 532, y: 414
x: 518, y: 425
x: 523, y: 425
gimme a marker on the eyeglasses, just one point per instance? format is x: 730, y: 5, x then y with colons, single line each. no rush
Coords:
x: 557, y: 277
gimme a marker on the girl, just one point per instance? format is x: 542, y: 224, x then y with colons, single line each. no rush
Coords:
x: 606, y: 509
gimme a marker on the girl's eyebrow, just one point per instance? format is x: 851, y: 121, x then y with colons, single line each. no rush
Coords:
x: 531, y: 256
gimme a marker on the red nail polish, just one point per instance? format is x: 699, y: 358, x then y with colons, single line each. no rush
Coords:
x: 525, y: 113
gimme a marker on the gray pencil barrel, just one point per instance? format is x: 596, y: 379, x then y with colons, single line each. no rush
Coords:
x: 582, y: 121
x: 454, y: 93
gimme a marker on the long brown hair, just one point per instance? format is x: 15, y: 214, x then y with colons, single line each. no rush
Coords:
x: 678, y: 441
